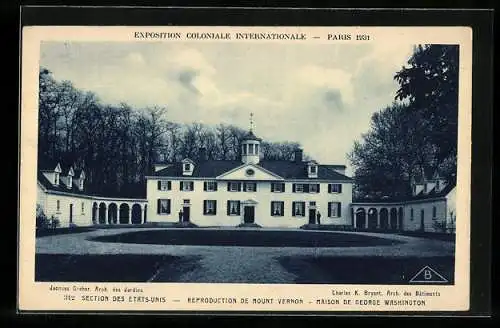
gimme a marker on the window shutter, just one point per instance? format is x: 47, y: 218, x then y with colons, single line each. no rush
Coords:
x: 238, y: 208
x: 204, y: 186
x: 293, y: 208
x: 229, y: 186
x: 303, y: 212
x: 306, y: 187
x: 329, y: 189
x: 272, y: 187
x: 317, y: 190
x: 215, y: 207
x: 181, y: 185
x: 282, y: 208
x: 255, y: 185
x: 244, y: 186
x: 215, y: 186
x: 272, y: 212
x: 204, y: 207
x: 159, y: 185
x: 168, y: 206
x: 293, y: 188
x: 169, y: 185
x: 340, y: 187
x: 329, y: 208
x: 338, y: 210
x: 158, y: 206
x: 239, y: 186
x: 282, y: 189
x: 228, y: 208
x: 191, y: 185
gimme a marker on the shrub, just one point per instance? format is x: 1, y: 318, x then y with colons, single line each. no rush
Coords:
x: 41, y: 219
x: 439, y: 225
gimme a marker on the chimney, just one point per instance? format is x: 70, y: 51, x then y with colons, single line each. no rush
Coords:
x: 298, y: 155
x: 202, y: 154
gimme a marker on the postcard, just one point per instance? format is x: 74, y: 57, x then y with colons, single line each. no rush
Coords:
x: 216, y: 168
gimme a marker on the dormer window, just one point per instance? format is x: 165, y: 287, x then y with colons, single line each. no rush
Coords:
x: 56, y: 178
x: 70, y: 181
x: 187, y: 167
x: 80, y: 184
x: 312, y: 169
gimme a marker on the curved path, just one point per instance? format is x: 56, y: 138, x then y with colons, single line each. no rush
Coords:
x: 234, y: 263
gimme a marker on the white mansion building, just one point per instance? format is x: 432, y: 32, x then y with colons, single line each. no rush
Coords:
x: 269, y: 193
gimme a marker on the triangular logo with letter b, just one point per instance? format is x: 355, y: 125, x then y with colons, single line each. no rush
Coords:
x: 428, y: 275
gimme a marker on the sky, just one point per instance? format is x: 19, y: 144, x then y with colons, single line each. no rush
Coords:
x: 320, y: 95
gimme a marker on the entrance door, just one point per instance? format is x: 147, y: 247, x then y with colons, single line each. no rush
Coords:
x: 70, y: 213
x: 249, y: 216
x: 312, y: 216
x: 185, y: 213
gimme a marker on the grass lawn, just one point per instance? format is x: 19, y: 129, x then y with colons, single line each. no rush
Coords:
x: 245, y: 238
x: 364, y: 270
x: 62, y: 231
x: 110, y: 268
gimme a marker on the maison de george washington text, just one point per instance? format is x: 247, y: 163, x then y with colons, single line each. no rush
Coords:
x: 249, y: 36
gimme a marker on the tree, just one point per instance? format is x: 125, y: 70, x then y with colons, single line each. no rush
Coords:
x: 430, y: 86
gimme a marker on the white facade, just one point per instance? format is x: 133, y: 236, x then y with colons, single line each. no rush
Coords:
x: 261, y: 200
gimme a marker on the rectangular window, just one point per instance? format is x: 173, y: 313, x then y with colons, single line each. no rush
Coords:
x: 313, y: 169
x: 80, y: 183
x: 187, y: 167
x: 277, y: 187
x: 314, y: 188
x: 334, y: 209
x: 250, y: 149
x: 233, y: 186
x: 163, y: 206
x: 335, y: 188
x: 434, y: 212
x: 58, y: 205
x: 56, y: 178
x: 244, y: 147
x: 298, y: 187
x: 313, y: 203
x: 299, y: 208
x: 250, y: 186
x: 210, y: 186
x: 187, y: 185
x: 186, y: 201
x: 277, y: 208
x: 233, y: 207
x: 83, y: 207
x: 256, y: 149
x: 411, y: 214
x: 164, y: 185
x: 209, y: 207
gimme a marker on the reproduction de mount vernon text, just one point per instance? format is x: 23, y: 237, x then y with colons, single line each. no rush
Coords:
x: 248, y: 36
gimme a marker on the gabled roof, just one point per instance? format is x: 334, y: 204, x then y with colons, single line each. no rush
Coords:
x: 61, y: 187
x: 285, y: 169
x: 421, y: 196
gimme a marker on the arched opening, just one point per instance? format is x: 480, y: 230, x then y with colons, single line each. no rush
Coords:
x: 372, y: 218
x: 136, y: 214
x: 360, y: 218
x: 400, y: 218
x: 94, y: 213
x: 384, y: 219
x: 394, y: 218
x: 102, y: 213
x: 112, y: 213
x: 124, y: 213
x: 145, y: 213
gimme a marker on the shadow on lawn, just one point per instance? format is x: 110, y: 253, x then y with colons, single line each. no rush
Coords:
x: 365, y: 270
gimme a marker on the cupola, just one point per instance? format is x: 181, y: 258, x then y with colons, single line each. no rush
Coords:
x: 250, y: 146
